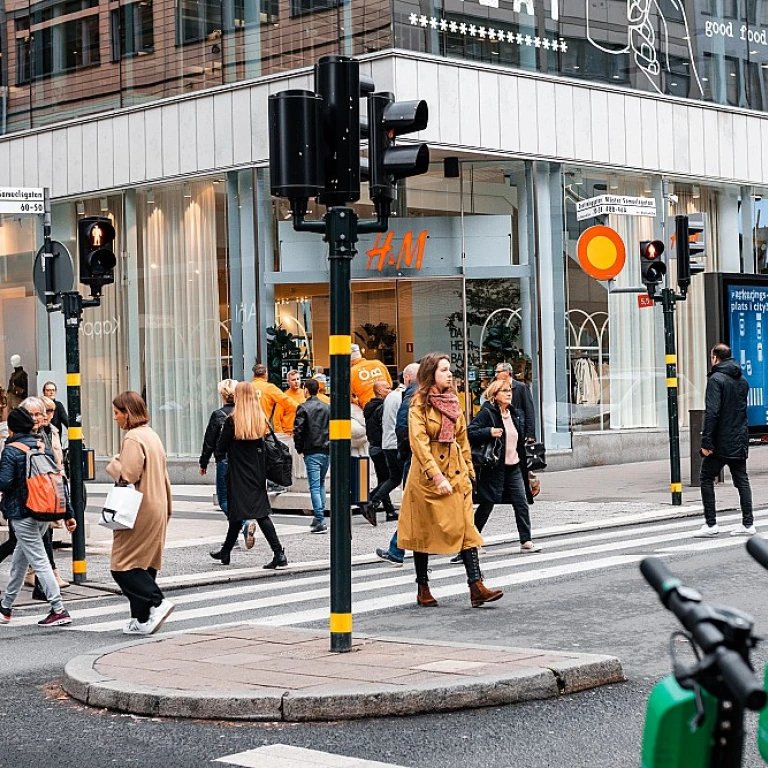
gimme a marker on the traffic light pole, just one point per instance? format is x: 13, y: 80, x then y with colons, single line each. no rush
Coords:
x: 668, y: 300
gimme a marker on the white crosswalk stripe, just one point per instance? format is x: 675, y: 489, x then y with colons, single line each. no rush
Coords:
x: 301, y: 599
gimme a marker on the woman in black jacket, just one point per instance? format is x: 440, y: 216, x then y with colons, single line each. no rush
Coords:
x: 507, y: 482
x: 241, y: 443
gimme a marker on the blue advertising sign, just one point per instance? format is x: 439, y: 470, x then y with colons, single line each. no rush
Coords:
x: 748, y: 325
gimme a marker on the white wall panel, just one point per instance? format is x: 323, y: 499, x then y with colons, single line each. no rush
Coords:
x: 740, y: 147
x: 241, y: 126
x: 764, y: 142
x: 546, y: 119
x: 17, y: 165
x: 617, y: 130
x: 725, y: 135
x: 44, y: 159
x: 5, y: 162
x: 223, y: 152
x: 205, y: 150
x: 121, y: 149
x: 105, y: 130
x: 599, y: 121
x: 508, y: 109
x: 633, y: 130
x: 490, y: 130
x: 406, y: 79
x: 564, y: 120
x: 187, y: 137
x: 680, y: 137
x: 755, y: 150
x: 582, y: 124
x: 60, y: 164
x: 429, y: 89
x: 259, y: 124
x: 75, y: 159
x: 664, y: 128
x: 90, y: 138
x: 696, y: 140
x: 527, y: 115
x: 30, y: 161
x: 137, y: 147
x: 449, y: 105
x: 171, y: 144
x: 469, y: 114
x: 153, y: 129
x: 650, y: 136
x: 711, y: 144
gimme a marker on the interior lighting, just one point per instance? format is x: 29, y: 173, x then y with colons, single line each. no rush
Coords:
x: 696, y: 192
x: 104, y: 205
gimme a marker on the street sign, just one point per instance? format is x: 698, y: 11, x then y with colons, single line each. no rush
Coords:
x: 21, y: 200
x: 644, y: 300
x: 62, y: 268
x: 623, y: 205
x: 601, y: 252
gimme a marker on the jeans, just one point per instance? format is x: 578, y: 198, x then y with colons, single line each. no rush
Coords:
x: 395, y: 470
x: 31, y: 551
x: 711, y: 466
x: 138, y: 585
x: 221, y: 485
x: 514, y: 488
x: 317, y: 469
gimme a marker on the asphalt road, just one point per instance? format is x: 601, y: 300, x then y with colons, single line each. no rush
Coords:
x: 596, y: 609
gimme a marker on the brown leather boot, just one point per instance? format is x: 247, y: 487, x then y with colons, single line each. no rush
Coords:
x: 424, y: 597
x: 479, y: 594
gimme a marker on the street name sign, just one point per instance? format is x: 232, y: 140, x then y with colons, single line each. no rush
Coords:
x: 623, y: 205
x: 21, y: 200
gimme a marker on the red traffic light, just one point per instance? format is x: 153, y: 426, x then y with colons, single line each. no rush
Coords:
x: 652, y: 250
x: 99, y: 234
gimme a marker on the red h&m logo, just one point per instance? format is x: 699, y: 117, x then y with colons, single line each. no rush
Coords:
x: 409, y: 255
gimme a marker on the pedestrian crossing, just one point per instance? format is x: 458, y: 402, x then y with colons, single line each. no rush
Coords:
x: 293, y: 600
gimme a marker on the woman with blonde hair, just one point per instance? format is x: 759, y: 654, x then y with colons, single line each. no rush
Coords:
x: 241, y: 443
x: 436, y: 515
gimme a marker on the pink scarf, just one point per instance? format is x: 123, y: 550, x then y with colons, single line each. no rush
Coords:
x: 448, y: 405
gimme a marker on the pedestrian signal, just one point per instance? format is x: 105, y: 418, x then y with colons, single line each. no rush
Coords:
x: 652, y: 267
x: 96, y: 237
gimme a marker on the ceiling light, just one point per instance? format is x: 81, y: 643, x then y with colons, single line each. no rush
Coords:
x: 104, y: 205
x: 150, y: 196
x: 696, y: 192
x: 80, y: 208
x: 187, y: 190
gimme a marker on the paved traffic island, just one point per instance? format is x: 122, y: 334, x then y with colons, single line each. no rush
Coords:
x: 260, y: 673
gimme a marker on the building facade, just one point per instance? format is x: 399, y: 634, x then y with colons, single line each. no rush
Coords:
x: 155, y: 113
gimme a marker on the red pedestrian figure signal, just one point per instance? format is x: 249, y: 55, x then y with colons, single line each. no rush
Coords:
x: 97, y: 234
x: 96, y: 237
x: 652, y: 268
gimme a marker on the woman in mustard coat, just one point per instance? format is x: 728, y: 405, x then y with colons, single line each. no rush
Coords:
x: 436, y: 515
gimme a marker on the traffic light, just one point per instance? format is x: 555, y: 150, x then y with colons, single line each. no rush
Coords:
x: 96, y: 238
x: 689, y: 241
x: 387, y: 163
x: 652, y: 268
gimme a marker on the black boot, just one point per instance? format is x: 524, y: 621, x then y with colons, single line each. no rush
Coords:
x: 471, y: 565
x: 222, y: 554
x: 278, y: 561
x: 37, y: 592
x: 390, y: 510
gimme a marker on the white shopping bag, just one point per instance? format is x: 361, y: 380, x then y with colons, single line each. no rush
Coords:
x: 121, y: 507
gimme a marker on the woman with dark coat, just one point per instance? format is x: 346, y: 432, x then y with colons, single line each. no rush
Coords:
x: 241, y: 443
x: 507, y: 482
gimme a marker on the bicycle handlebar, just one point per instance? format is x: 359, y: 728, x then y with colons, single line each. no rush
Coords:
x: 696, y: 616
x: 758, y: 548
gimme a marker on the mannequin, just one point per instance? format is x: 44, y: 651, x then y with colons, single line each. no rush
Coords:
x: 18, y: 384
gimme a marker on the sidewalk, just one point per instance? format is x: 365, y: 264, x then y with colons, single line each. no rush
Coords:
x: 257, y: 673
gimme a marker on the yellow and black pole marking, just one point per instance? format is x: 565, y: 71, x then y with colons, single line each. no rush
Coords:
x: 341, y: 234
x: 675, y: 484
x: 72, y: 308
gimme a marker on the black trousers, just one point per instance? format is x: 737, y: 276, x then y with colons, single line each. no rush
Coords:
x: 395, y: 475
x: 380, y: 466
x: 267, y: 528
x: 711, y: 466
x: 514, y: 488
x: 7, y: 547
x: 138, y: 585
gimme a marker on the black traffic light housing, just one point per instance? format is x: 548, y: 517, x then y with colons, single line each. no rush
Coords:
x: 652, y: 267
x: 689, y: 241
x: 95, y: 240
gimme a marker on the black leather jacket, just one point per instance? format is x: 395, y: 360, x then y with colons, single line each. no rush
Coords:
x: 212, y: 432
x: 725, y: 430
x: 311, y: 428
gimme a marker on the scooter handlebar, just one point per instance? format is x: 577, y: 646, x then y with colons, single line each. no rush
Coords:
x: 758, y: 548
x: 659, y: 577
x: 740, y: 679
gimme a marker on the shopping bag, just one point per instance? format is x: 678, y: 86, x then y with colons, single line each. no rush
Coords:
x: 279, y: 464
x: 121, y: 507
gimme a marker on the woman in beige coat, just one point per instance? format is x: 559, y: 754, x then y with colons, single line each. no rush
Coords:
x: 436, y: 515
x: 137, y: 553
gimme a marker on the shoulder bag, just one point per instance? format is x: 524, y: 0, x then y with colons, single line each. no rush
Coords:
x: 487, y: 455
x: 536, y: 455
x: 279, y: 463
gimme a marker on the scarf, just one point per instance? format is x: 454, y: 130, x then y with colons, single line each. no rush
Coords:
x: 448, y: 405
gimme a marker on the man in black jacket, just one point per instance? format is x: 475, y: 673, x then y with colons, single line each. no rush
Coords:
x: 311, y: 438
x: 725, y: 440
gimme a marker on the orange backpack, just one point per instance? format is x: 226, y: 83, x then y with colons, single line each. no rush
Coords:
x: 46, y: 492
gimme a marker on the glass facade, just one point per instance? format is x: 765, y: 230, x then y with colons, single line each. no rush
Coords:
x: 62, y: 58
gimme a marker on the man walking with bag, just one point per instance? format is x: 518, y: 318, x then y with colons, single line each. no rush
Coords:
x: 725, y: 440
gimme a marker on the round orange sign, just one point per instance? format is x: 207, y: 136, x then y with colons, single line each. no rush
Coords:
x: 601, y: 252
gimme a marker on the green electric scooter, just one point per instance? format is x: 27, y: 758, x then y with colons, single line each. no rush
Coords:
x: 695, y: 717
x: 758, y: 548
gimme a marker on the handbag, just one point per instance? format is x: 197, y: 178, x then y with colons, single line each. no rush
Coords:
x: 279, y: 469
x: 536, y: 455
x: 487, y: 455
x: 121, y: 508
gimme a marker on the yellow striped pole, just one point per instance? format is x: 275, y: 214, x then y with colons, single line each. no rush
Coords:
x: 670, y: 359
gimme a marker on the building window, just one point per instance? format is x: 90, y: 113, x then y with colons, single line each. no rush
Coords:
x: 197, y: 20
x: 305, y: 7
x: 49, y: 44
x: 132, y: 30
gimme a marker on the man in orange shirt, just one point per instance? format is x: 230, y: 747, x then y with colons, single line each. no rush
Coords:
x: 364, y: 374
x: 283, y: 419
x: 271, y: 397
x: 321, y: 379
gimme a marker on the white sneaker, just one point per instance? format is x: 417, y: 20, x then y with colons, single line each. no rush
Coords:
x: 742, y: 530
x: 135, y: 627
x: 158, y: 615
x: 706, y: 531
